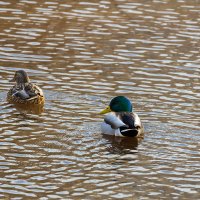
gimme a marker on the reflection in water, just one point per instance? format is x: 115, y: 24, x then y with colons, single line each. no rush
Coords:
x: 122, y: 145
x: 33, y: 109
x: 83, y: 54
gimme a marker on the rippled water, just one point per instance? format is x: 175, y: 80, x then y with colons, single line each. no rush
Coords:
x: 82, y: 53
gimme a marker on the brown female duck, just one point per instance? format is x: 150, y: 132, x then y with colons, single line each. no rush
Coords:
x: 24, y: 92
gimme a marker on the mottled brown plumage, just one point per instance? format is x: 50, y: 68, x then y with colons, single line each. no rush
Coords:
x: 24, y: 92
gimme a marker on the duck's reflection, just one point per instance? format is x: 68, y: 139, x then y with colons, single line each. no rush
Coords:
x: 29, y: 109
x: 121, y: 145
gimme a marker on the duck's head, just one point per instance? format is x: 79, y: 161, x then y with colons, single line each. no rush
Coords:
x: 118, y: 104
x: 20, y: 77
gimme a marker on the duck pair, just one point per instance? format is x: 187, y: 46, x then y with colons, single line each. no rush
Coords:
x: 120, y: 122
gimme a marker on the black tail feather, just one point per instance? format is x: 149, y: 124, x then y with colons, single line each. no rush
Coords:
x: 128, y: 132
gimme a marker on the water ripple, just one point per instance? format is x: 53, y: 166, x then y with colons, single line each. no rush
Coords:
x: 82, y: 54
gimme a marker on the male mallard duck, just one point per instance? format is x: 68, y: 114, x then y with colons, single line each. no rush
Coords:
x: 121, y: 122
x: 24, y: 92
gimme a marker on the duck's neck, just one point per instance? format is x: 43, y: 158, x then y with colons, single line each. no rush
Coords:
x: 121, y: 113
x: 22, y: 80
x: 21, y: 85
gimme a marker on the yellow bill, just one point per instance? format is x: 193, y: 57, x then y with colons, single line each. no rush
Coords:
x: 106, y: 110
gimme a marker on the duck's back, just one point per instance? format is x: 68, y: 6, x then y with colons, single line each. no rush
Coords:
x: 33, y: 90
x: 133, y: 124
x: 122, y: 124
x: 27, y: 94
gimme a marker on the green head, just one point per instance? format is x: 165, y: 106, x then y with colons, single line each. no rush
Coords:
x: 118, y: 104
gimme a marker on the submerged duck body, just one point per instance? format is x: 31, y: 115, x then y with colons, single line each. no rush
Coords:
x: 121, y: 121
x: 24, y: 92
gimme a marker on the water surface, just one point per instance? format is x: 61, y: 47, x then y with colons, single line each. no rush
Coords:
x: 82, y: 54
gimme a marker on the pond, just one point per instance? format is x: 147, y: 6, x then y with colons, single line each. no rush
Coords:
x: 82, y: 54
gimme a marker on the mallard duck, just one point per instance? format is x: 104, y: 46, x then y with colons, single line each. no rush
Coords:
x: 121, y: 121
x: 24, y: 92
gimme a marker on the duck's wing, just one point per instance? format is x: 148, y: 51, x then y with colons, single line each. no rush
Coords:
x: 19, y: 92
x: 33, y: 90
x: 113, y: 121
x: 28, y: 91
x: 133, y: 124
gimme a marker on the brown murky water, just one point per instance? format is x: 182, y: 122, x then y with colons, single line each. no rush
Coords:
x: 82, y: 53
